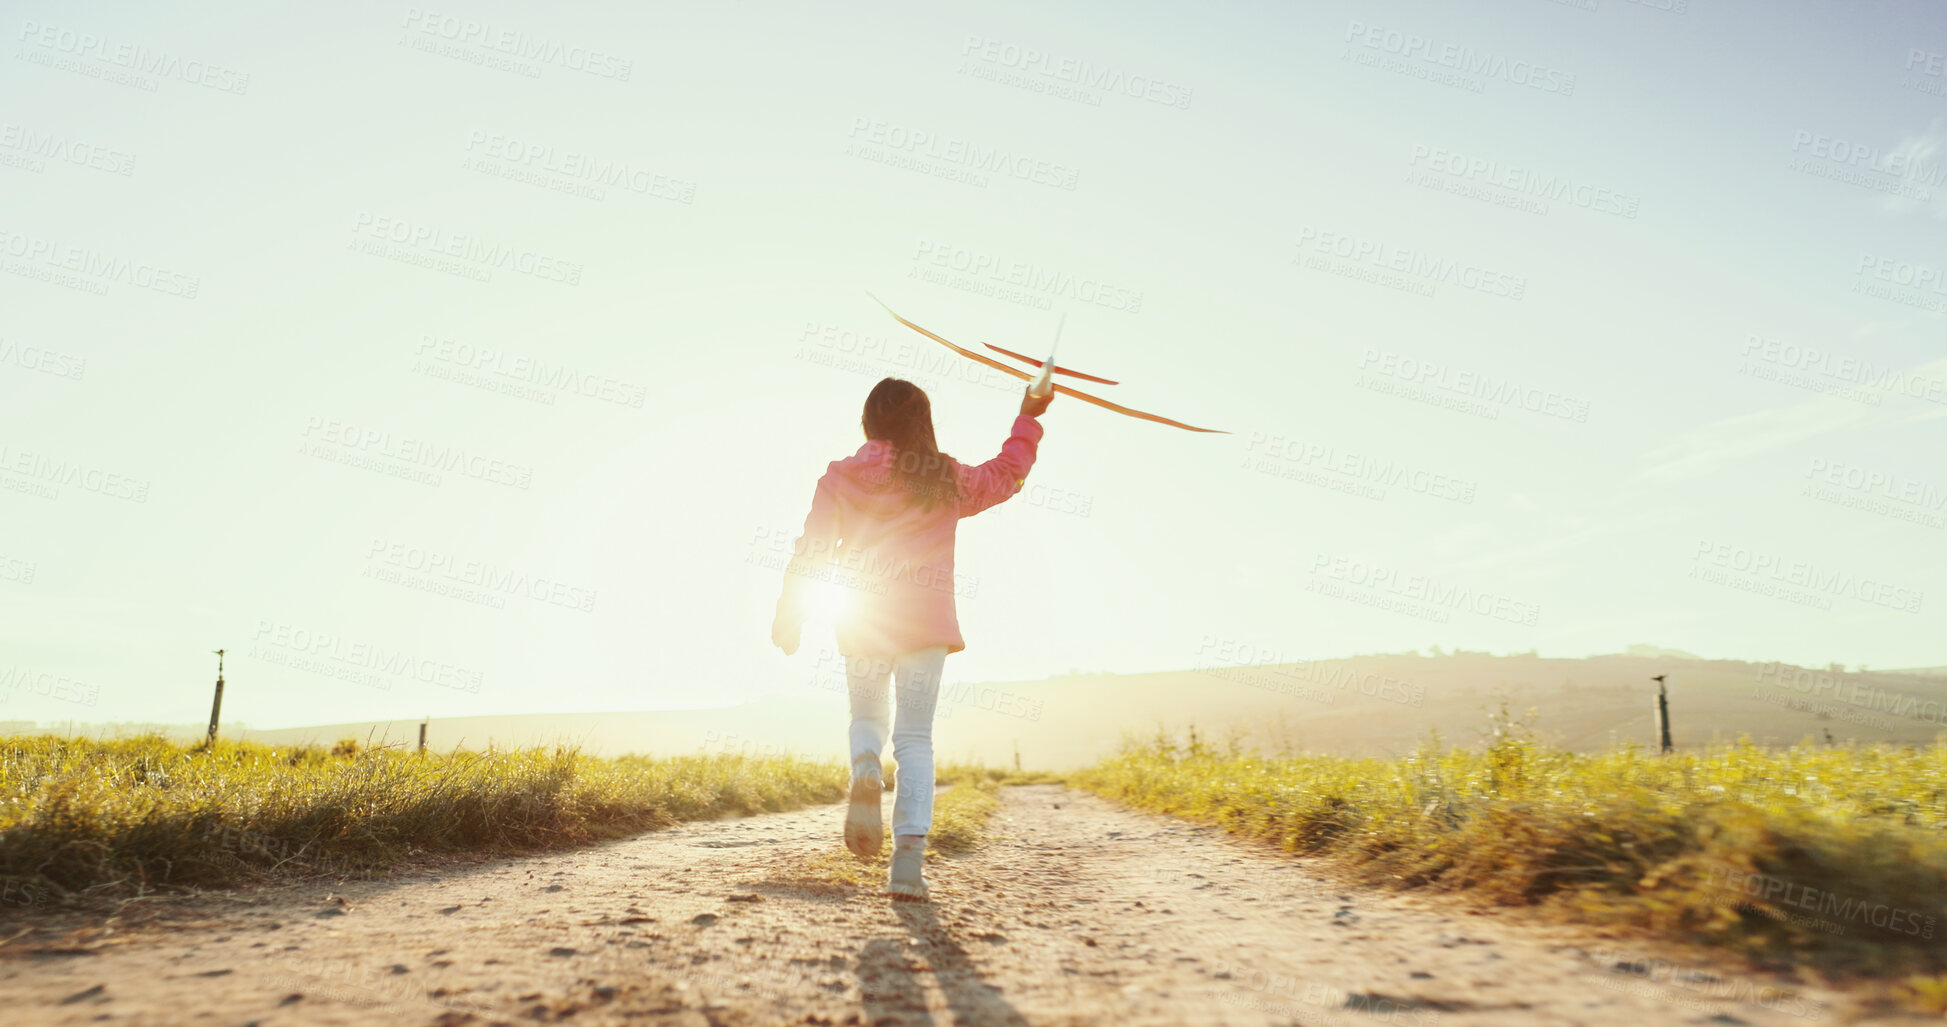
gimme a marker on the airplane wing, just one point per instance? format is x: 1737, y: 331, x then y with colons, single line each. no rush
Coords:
x: 969, y: 354
x: 1120, y: 409
x: 1024, y: 358
x: 1063, y: 389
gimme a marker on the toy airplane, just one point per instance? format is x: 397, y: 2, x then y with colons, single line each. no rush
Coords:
x: 1058, y: 369
x: 1042, y: 387
x: 1048, y: 368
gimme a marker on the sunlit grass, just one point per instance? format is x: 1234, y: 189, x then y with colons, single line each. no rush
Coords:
x: 128, y: 816
x: 1838, y: 853
x: 960, y: 816
x: 969, y: 773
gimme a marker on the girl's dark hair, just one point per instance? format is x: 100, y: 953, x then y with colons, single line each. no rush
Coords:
x: 899, y: 412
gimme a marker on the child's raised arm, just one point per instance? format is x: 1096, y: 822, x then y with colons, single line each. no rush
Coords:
x: 997, y: 479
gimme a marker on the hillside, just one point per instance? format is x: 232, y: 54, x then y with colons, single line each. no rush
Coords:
x: 1366, y: 705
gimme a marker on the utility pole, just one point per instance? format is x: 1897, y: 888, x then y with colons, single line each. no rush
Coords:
x: 216, y: 708
x: 422, y: 734
x: 1663, y: 713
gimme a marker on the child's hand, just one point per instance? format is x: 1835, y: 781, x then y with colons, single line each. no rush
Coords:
x: 1035, y: 406
x: 784, y: 633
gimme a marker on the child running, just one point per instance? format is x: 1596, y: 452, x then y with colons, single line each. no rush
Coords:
x: 887, y: 515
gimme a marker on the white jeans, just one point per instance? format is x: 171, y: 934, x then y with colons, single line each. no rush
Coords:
x: 917, y: 677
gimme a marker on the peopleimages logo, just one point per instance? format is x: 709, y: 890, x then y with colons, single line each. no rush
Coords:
x: 42, y: 359
x: 51, y: 146
x: 132, y: 58
x: 411, y: 453
x: 470, y: 249
x: 1421, y: 591
x: 1870, y: 490
x: 1291, y: 998
x: 1427, y: 268
x: 50, y: 685
x: 514, y: 43
x: 21, y: 571
x: 337, y: 656
x: 574, y: 167
x: 1462, y: 59
x: 1272, y: 670
x: 449, y: 568
x: 1886, y: 484
x: 93, y: 264
x: 1357, y: 466
x: 1714, y: 561
x: 862, y: 569
x: 980, y: 264
x: 1863, y: 694
x: 954, y: 150
x: 1075, y: 71
x: 1671, y: 984
x: 1908, y: 164
x: 1926, y: 72
x: 1906, y: 282
x: 1838, y: 367
x: 512, y: 368
x: 37, y: 468
x: 1523, y: 181
x: 848, y: 349
x: 1474, y: 384
x: 1781, y: 892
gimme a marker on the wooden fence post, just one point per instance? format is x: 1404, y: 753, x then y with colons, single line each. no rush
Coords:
x: 1663, y: 714
x: 216, y: 707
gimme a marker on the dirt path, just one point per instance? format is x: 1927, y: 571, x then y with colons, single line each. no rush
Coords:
x: 1078, y: 912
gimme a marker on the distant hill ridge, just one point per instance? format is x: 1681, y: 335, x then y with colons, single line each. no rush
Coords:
x: 1383, y: 704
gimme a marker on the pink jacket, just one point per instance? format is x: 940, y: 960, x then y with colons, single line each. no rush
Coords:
x: 893, y: 559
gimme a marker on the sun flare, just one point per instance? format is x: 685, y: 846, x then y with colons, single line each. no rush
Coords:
x: 826, y: 603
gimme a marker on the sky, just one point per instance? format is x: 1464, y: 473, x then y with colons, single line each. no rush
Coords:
x: 482, y: 359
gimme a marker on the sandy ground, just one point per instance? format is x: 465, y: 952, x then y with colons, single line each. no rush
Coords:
x: 1077, y: 912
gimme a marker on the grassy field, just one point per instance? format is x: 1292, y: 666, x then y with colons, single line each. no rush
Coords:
x: 1833, y: 855
x: 115, y: 818
x: 126, y: 817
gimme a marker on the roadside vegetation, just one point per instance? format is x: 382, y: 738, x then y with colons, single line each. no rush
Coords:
x: 126, y: 817
x: 1835, y: 856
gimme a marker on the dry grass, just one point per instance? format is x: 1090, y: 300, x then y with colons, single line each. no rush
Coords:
x: 1834, y: 856
x: 960, y: 817
x: 126, y: 817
